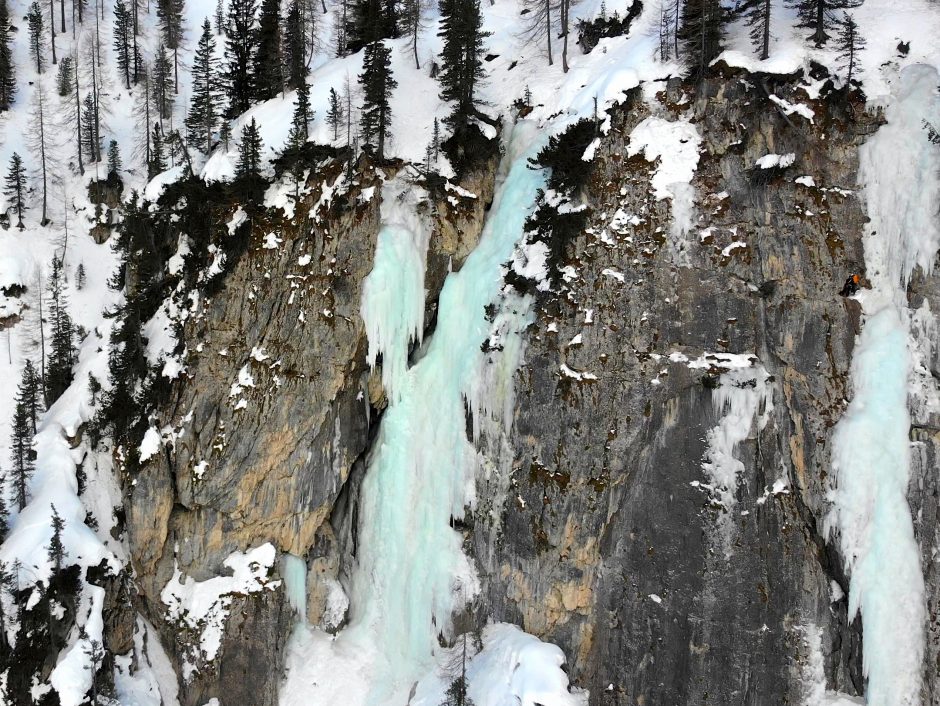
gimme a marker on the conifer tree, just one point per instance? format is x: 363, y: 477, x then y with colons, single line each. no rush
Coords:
x: 219, y: 17
x: 239, y: 52
x: 161, y: 83
x: 4, y: 529
x: 122, y: 40
x: 7, y: 65
x: 377, y: 86
x: 300, y: 122
x: 157, y: 163
x: 294, y: 45
x: 758, y: 19
x: 204, y: 106
x: 267, y: 61
x: 701, y: 34
x: 225, y: 134
x: 80, y: 277
x: 370, y: 21
x: 64, y: 79
x: 56, y: 548
x: 820, y: 16
x: 39, y: 142
x: 170, y: 14
x: 36, y: 38
x: 127, y: 364
x: 30, y: 393
x: 248, y: 168
x: 90, y: 141
x: 334, y: 114
x: 461, y: 62
x: 21, y: 454
x: 14, y: 188
x: 850, y: 44
x: 62, y: 355
x: 114, y: 159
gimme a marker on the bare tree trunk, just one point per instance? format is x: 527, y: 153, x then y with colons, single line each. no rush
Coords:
x: 62, y: 9
x: 565, y: 6
x: 52, y: 27
x: 766, y: 38
x: 78, y: 119
x: 548, y: 29
x: 42, y: 154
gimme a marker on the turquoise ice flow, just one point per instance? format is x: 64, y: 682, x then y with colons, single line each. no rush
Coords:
x: 411, y: 572
x: 900, y: 173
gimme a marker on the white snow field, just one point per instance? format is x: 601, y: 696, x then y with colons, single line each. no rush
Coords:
x: 412, y: 572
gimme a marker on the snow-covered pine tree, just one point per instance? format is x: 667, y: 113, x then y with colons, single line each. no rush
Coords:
x: 239, y: 52
x: 7, y: 65
x: 461, y: 29
x: 56, y: 548
x: 90, y: 142
x: 37, y: 42
x: 219, y: 17
x: 62, y: 353
x: 267, y: 60
x: 114, y: 159
x: 14, y: 188
x: 851, y: 43
x: 204, y: 103
x: 334, y: 113
x: 701, y: 34
x: 30, y: 393
x: 80, y: 277
x: 123, y: 32
x: 377, y: 86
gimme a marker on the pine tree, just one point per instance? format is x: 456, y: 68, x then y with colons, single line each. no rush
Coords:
x: 161, y: 83
x: 56, y: 548
x: 758, y: 19
x: 334, y: 114
x: 38, y: 139
x: 37, y: 42
x: 377, y: 86
x: 820, y: 16
x: 850, y: 44
x: 204, y: 106
x: 225, y: 134
x: 114, y: 159
x: 267, y: 62
x: 461, y: 62
x: 157, y: 164
x: 170, y: 14
x: 62, y: 355
x: 412, y: 12
x: 127, y: 363
x: 4, y: 529
x: 300, y: 122
x: 7, y: 65
x: 370, y: 21
x: 89, y: 132
x: 30, y: 394
x: 14, y: 188
x: 294, y: 45
x: 64, y: 77
x: 21, y: 453
x: 248, y: 168
x: 219, y: 17
x: 122, y: 40
x: 80, y: 277
x: 239, y: 51
x: 701, y: 34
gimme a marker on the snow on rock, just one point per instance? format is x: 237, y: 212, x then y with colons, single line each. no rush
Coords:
x: 517, y: 668
x: 676, y: 145
x: 71, y: 677
x: 781, y: 161
x: 789, y: 108
x: 202, y: 606
x: 150, y: 445
x: 743, y: 397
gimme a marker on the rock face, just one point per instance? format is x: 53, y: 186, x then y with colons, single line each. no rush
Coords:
x: 269, y: 417
x: 658, y: 506
x: 612, y: 539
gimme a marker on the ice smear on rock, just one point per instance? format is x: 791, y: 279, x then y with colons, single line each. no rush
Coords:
x: 870, y: 515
